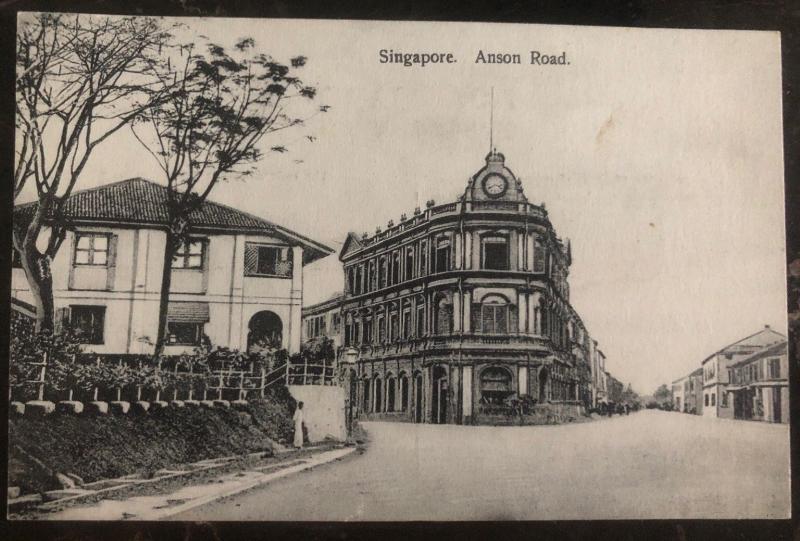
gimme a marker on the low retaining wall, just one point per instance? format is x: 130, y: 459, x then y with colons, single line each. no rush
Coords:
x: 323, y: 407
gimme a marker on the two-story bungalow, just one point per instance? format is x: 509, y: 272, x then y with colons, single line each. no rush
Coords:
x: 759, y: 385
x: 716, y: 402
x: 237, y: 283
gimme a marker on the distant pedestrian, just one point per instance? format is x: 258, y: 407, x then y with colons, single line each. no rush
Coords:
x: 298, y: 426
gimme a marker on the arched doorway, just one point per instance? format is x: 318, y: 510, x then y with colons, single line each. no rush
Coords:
x: 417, y: 397
x: 365, y: 398
x: 439, y: 398
x: 495, y: 385
x: 391, y: 391
x: 265, y: 331
x: 377, y: 402
x: 402, y: 383
x: 543, y: 376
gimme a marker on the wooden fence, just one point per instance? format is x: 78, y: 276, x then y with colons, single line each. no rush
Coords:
x: 225, y: 380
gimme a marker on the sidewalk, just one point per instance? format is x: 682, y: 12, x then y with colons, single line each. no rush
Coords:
x: 176, y: 491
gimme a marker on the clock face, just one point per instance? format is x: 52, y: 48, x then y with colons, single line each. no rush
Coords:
x: 494, y: 185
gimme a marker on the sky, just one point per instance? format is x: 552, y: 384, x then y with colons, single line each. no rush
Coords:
x: 657, y: 152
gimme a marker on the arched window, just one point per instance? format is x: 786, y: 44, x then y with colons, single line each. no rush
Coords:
x: 539, y: 255
x: 395, y: 267
x: 543, y: 385
x: 444, y: 316
x: 494, y: 252
x: 442, y: 260
x: 403, y: 382
x: 420, y: 317
x: 383, y: 272
x: 495, y: 385
x: 405, y: 322
x: 544, y: 323
x: 394, y: 323
x: 494, y: 315
x: 358, y: 289
x: 368, y: 329
x: 410, y: 263
x: 371, y: 276
x: 390, y: 393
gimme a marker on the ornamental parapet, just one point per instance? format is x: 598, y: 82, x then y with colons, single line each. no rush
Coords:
x: 467, y: 341
x: 457, y: 207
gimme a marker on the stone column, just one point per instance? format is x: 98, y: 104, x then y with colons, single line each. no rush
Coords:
x: 522, y: 378
x: 522, y: 311
x: 467, y: 311
x: 457, y: 251
x: 468, y: 250
x: 427, y: 396
x: 533, y: 304
x: 453, y: 387
x: 466, y: 395
x: 456, y: 312
x: 530, y: 238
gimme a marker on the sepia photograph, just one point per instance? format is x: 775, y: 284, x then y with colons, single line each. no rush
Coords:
x: 360, y: 270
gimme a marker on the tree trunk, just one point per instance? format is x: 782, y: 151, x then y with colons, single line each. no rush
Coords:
x: 166, y: 283
x: 40, y: 280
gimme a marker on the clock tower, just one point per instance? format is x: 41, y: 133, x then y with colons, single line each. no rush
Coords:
x: 494, y: 182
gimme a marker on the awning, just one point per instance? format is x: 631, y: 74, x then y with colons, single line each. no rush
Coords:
x: 187, y: 312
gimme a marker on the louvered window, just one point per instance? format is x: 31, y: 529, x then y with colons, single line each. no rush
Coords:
x: 260, y: 260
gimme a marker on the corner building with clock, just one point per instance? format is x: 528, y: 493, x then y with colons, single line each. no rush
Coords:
x: 463, y: 306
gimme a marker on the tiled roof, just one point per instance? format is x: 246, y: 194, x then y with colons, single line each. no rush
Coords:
x: 138, y: 201
x: 776, y: 349
x: 756, y: 341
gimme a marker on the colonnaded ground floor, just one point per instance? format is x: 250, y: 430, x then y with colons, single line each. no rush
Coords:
x: 464, y: 391
x: 647, y: 465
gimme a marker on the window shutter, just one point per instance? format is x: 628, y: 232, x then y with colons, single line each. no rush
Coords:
x: 111, y: 261
x: 250, y: 259
x: 73, y: 245
x: 61, y: 320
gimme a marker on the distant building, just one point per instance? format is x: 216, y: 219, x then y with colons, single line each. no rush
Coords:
x: 678, y: 399
x: 758, y: 385
x: 238, y: 281
x: 599, y: 375
x: 716, y: 399
x: 687, y: 393
x: 324, y: 319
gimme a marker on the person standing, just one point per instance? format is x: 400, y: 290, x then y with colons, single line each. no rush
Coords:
x: 298, y: 426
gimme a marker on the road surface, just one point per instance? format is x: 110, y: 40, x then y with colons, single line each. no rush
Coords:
x: 651, y: 464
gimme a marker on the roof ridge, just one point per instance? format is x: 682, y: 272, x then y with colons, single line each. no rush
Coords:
x: 765, y: 329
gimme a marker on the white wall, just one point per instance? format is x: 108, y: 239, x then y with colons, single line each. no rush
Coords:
x: 132, y: 300
x: 323, y: 408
